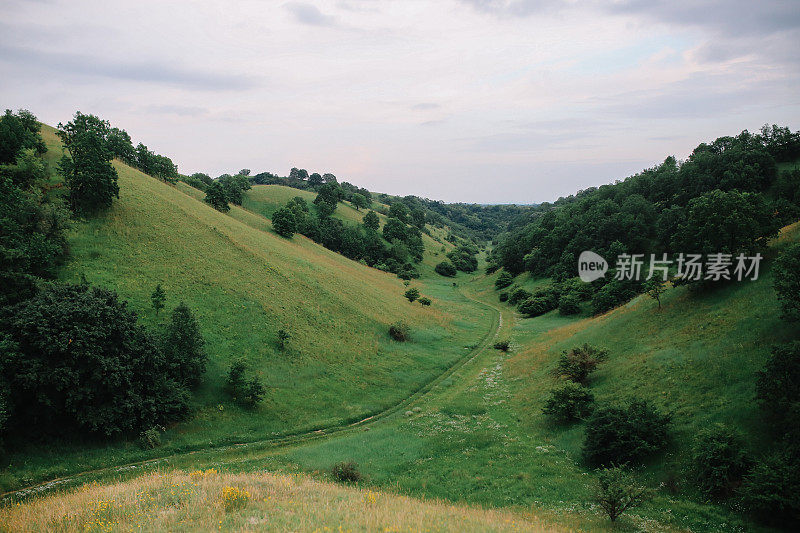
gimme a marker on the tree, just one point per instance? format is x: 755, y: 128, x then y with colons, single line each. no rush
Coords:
x: 234, y: 187
x: 446, y: 269
x: 655, y: 288
x: 778, y: 387
x: 399, y: 331
x: 87, y: 171
x: 359, y: 201
x: 578, y: 363
x: 371, y: 221
x: 183, y: 347
x: 284, y: 222
x: 412, y: 294
x: 78, y: 361
x: 618, y: 492
x: 568, y: 402
x: 503, y: 280
x: 247, y: 392
x: 787, y: 281
x: 215, y: 197
x: 624, y: 434
x: 418, y: 217
x: 158, y: 298
x: 393, y: 229
x: 399, y: 210
x: 121, y: 146
x: 425, y: 301
x: 327, y: 199
x: 569, y: 304
x: 770, y: 489
x: 19, y: 132
x: 315, y: 181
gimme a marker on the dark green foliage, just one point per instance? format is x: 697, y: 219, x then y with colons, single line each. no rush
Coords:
x: 284, y: 222
x: 503, y: 296
x: 244, y: 391
x: 425, y: 301
x: 183, y: 344
x: 199, y: 180
x: 412, y: 294
x: 778, y: 388
x: 158, y: 298
x: 120, y: 145
x: 399, y: 211
x: 503, y: 280
x: 371, y: 221
x: 621, y: 435
x: 346, y: 472
x: 88, y: 173
x: 234, y: 187
x: 654, y: 288
x: 283, y: 338
x: 359, y: 201
x: 503, y: 345
x: 578, y: 363
x: 614, y: 293
x: 394, y: 229
x: 5, y: 407
x: 407, y: 272
x: 215, y: 197
x: 399, y: 331
x: 770, y: 489
x: 445, y: 268
x: 78, y: 361
x: 151, y: 438
x: 327, y: 199
x: 617, y: 492
x: 719, y: 460
x: 536, y: 305
x: 568, y: 402
x: 787, y: 281
x: 518, y: 295
x: 569, y: 304
x: 19, y: 131
x: 463, y: 258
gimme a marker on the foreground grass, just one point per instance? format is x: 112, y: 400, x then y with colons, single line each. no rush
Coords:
x: 210, y: 500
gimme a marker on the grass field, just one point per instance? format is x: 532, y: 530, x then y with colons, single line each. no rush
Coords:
x: 204, y: 501
x: 244, y: 283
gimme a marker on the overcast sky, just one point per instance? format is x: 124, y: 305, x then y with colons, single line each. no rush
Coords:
x: 489, y: 101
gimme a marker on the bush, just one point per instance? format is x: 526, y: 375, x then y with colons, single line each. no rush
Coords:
x: 425, y: 301
x: 412, y: 294
x: 503, y: 296
x: 621, y: 435
x: 569, y: 304
x: 183, y: 347
x: 568, y: 402
x: 151, y: 438
x: 787, y: 281
x: 535, y: 306
x: 503, y: 280
x: 618, y: 492
x: 284, y: 222
x: 346, y: 472
x: 246, y: 392
x: 778, y: 387
x: 445, y: 268
x: 283, y: 338
x: 518, y: 295
x: 613, y: 294
x: 719, y: 461
x: 503, y: 346
x: 578, y: 363
x: 399, y: 331
x: 770, y: 489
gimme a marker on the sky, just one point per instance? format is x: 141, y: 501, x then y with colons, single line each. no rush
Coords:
x: 485, y: 101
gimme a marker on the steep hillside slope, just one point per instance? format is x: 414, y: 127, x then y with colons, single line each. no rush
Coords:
x: 244, y: 283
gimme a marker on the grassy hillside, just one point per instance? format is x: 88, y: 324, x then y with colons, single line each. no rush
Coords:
x: 244, y: 283
x: 178, y: 501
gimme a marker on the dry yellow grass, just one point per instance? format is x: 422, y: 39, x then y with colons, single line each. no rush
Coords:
x: 197, y: 501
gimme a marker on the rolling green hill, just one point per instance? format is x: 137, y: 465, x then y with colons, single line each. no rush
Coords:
x: 244, y: 283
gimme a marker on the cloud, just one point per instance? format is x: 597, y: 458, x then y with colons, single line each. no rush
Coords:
x: 425, y: 106
x: 309, y: 14
x: 517, y: 8
x: 121, y: 69
x: 180, y: 110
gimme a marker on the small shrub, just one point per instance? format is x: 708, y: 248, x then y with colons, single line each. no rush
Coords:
x: 503, y: 296
x: 569, y: 304
x: 503, y: 280
x: 618, y: 492
x: 247, y: 392
x: 578, y: 363
x: 234, y: 498
x: 787, y: 281
x: 445, y: 268
x: 425, y: 301
x: 535, y: 306
x: 283, y: 338
x: 568, y: 402
x: 346, y: 472
x: 412, y: 294
x: 503, y: 346
x: 778, y: 387
x: 399, y: 331
x: 151, y: 438
x: 719, y: 460
x: 621, y: 435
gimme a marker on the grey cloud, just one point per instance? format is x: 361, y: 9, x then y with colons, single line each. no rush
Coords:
x: 425, y: 106
x: 151, y: 72
x: 309, y: 14
x: 518, y: 8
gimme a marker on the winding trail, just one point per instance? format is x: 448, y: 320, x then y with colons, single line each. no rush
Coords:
x: 286, y: 439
